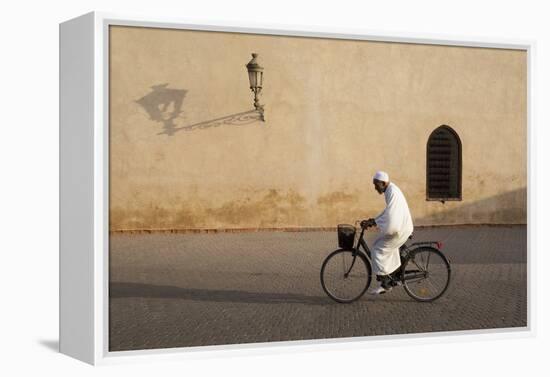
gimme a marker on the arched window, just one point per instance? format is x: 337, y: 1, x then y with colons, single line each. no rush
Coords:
x: 444, y: 165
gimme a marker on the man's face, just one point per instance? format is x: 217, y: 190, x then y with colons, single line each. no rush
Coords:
x: 379, y: 186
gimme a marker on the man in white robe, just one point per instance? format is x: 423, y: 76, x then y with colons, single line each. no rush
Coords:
x: 395, y: 226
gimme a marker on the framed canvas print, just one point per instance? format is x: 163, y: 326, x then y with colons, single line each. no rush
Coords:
x: 226, y: 187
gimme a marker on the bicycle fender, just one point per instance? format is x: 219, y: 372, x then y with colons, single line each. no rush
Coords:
x: 428, y: 244
x: 424, y: 244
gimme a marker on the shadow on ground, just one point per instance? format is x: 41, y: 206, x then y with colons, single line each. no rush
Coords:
x: 124, y: 290
x: 52, y: 345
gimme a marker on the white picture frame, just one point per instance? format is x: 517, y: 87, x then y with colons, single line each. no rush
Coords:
x: 84, y: 183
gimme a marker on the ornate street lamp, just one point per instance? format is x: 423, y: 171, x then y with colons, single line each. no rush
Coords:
x: 255, y: 76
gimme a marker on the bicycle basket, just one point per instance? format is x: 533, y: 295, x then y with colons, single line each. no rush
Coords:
x: 346, y: 236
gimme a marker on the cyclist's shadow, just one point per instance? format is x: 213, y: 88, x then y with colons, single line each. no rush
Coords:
x: 141, y: 290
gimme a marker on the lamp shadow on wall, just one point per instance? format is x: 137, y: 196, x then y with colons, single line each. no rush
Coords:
x: 164, y: 105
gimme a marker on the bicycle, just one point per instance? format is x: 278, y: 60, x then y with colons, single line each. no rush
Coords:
x: 346, y: 273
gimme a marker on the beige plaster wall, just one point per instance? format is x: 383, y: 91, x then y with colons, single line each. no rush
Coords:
x: 336, y: 111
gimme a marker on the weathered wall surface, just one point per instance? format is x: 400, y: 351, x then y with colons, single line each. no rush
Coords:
x: 183, y: 155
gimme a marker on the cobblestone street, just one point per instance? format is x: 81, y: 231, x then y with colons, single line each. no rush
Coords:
x: 179, y: 290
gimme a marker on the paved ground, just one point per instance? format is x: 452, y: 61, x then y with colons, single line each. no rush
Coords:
x: 176, y: 290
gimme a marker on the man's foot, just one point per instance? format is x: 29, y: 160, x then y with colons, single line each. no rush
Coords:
x: 378, y: 290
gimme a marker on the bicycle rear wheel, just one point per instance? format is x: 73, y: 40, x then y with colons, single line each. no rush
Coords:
x: 345, y: 275
x: 427, y: 274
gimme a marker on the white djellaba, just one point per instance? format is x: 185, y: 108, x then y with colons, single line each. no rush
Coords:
x: 395, y: 226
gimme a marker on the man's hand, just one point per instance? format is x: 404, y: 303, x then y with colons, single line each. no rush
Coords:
x: 368, y: 223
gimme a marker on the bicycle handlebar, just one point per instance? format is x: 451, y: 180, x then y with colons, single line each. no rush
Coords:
x: 365, y: 227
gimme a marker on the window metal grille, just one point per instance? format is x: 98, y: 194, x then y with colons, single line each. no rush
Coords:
x: 444, y: 165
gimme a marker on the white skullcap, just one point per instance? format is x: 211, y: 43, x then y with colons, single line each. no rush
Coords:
x: 382, y: 176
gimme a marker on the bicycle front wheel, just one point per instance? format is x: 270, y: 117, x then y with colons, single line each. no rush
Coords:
x: 345, y: 275
x: 426, y: 275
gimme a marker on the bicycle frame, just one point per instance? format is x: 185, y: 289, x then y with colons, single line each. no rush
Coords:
x: 408, y: 249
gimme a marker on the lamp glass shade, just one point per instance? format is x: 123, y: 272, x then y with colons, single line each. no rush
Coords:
x: 255, y: 72
x: 252, y: 77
